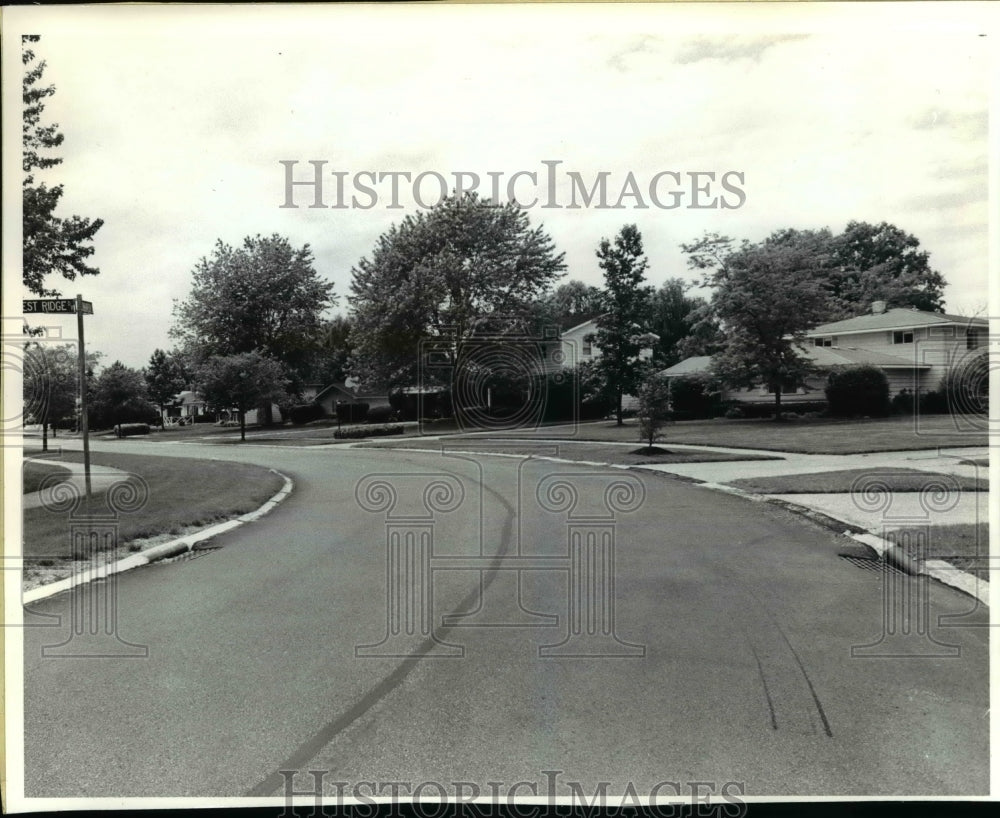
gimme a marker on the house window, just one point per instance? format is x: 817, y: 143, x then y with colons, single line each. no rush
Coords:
x: 588, y: 349
x: 902, y: 337
x: 823, y: 342
x: 972, y: 339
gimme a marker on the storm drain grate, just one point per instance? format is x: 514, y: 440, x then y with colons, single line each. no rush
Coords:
x: 876, y: 566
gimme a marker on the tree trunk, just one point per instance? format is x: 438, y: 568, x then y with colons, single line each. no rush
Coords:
x: 777, y: 402
x: 243, y: 425
x: 45, y: 435
x: 619, y: 409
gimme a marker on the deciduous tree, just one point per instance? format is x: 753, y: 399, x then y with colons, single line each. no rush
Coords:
x: 241, y: 381
x: 51, y: 244
x: 624, y: 321
x: 438, y: 274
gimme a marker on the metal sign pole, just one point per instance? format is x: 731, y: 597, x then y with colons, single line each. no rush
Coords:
x: 83, y: 393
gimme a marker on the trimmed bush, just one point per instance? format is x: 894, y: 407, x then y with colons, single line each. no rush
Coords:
x: 368, y: 431
x: 858, y: 391
x: 695, y: 396
x: 206, y: 418
x: 933, y: 403
x: 903, y: 403
x: 128, y: 429
x: 381, y: 414
x: 766, y: 409
x: 305, y: 413
x: 352, y: 412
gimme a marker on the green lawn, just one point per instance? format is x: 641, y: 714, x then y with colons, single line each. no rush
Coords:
x: 34, y: 473
x: 630, y: 454
x: 964, y: 545
x: 841, y: 482
x: 182, y: 492
x: 806, y: 436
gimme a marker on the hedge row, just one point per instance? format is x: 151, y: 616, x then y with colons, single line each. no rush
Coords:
x: 368, y: 431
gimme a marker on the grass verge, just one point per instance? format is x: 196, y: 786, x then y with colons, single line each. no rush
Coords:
x: 625, y: 455
x: 35, y: 473
x: 964, y: 545
x: 841, y: 482
x: 182, y: 493
x: 804, y: 435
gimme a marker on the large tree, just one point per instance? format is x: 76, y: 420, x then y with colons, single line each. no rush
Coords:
x: 164, y: 379
x: 120, y: 396
x: 622, y: 328
x: 572, y: 303
x: 867, y: 263
x: 241, y: 381
x: 332, y: 352
x: 51, y: 384
x: 766, y: 297
x: 673, y: 317
x: 438, y: 274
x: 51, y: 244
x: 264, y: 295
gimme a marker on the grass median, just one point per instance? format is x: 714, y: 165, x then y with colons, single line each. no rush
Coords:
x: 35, y: 473
x: 183, y: 493
x: 802, y: 435
x: 848, y: 480
x: 964, y: 545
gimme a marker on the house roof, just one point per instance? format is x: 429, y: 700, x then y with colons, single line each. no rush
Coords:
x: 589, y: 322
x: 821, y: 356
x: 689, y: 366
x: 850, y: 356
x: 895, y: 319
x: 334, y: 388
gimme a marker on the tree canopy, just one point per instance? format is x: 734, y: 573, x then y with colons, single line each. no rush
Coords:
x: 439, y: 273
x: 51, y: 244
x: 164, y: 378
x: 120, y: 396
x: 264, y: 295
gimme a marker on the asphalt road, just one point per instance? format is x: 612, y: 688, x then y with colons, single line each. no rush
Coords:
x: 739, y: 619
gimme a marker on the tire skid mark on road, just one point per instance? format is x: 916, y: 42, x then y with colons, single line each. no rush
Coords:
x: 777, y: 659
x: 311, y: 747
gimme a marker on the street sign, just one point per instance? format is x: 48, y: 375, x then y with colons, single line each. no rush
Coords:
x: 56, y: 305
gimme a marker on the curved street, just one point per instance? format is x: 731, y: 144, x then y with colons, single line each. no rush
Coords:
x: 611, y: 625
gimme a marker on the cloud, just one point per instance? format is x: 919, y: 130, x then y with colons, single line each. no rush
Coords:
x: 967, y: 124
x: 731, y: 49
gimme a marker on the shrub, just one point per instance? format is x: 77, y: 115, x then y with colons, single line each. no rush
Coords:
x: 368, y: 431
x: 696, y: 396
x: 305, y: 413
x: 858, y: 390
x: 352, y: 412
x: 381, y: 414
x: 933, y: 403
x: 410, y: 405
x: 735, y: 412
x: 903, y: 403
x: 206, y: 418
x: 966, y: 388
x: 127, y: 429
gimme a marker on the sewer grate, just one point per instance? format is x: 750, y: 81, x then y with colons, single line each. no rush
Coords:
x: 875, y: 565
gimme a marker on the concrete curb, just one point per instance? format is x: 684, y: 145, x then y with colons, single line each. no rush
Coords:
x: 159, y: 552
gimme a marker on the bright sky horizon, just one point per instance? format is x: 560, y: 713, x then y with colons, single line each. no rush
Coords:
x: 176, y: 121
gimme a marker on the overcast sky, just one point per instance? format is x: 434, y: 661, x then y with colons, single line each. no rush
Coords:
x: 176, y: 121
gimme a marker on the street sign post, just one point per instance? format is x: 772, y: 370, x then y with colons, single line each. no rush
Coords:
x: 70, y: 306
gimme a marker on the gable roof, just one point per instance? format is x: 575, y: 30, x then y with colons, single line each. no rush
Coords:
x: 851, y: 356
x: 895, y: 319
x: 689, y: 366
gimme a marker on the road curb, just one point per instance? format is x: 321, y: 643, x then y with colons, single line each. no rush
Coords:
x: 163, y: 551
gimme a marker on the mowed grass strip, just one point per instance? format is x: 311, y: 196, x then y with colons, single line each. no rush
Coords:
x: 802, y: 435
x: 631, y: 454
x: 182, y: 493
x: 35, y: 473
x: 964, y: 545
x: 842, y: 482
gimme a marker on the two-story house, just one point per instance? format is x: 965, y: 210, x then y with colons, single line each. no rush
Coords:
x: 915, y: 350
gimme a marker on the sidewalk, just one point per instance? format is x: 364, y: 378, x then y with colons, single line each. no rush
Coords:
x: 101, y: 479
